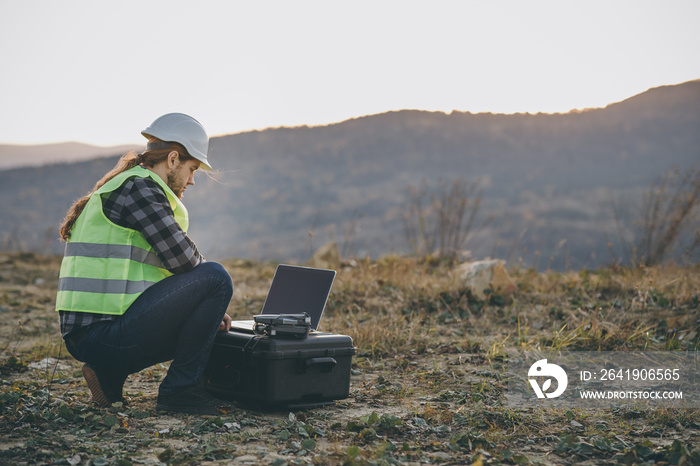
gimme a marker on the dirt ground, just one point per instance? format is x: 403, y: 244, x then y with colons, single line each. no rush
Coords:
x: 437, y: 398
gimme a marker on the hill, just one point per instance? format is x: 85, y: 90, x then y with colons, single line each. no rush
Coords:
x: 547, y: 179
x: 14, y: 155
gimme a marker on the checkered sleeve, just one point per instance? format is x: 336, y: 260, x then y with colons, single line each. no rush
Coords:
x: 70, y: 321
x: 143, y: 206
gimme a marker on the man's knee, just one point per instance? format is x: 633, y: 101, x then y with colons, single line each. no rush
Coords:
x: 219, y: 273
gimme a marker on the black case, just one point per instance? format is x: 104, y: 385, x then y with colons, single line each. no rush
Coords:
x: 280, y: 372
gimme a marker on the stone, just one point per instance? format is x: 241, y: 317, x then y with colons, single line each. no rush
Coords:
x: 49, y: 365
x: 246, y: 459
x: 486, y: 275
x: 327, y: 257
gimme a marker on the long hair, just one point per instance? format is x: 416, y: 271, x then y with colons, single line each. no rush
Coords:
x: 148, y: 159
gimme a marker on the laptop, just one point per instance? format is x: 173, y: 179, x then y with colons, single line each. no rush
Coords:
x: 295, y: 290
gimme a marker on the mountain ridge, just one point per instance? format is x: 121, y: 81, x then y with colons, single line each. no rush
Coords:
x: 21, y: 155
x: 547, y: 180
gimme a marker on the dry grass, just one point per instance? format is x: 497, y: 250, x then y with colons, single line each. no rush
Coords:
x: 425, y: 386
x: 396, y: 305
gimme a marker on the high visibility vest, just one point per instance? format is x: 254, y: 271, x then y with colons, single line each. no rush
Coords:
x: 105, y: 266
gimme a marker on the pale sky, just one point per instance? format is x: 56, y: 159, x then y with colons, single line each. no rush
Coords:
x: 99, y: 72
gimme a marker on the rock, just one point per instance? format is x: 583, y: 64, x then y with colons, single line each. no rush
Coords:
x: 246, y: 459
x: 441, y: 456
x: 327, y: 257
x: 486, y: 275
x: 50, y: 364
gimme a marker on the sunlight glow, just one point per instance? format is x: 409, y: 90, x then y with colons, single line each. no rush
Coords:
x: 79, y: 70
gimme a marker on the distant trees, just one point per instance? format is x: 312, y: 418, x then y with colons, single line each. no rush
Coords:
x: 667, y: 220
x: 437, y: 220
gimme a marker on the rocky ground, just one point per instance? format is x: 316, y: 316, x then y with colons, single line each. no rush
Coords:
x: 427, y: 384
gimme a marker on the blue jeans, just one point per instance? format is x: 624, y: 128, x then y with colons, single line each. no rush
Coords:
x: 175, y: 319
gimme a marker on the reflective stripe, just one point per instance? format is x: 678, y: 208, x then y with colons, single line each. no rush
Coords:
x: 97, y: 285
x: 113, y: 251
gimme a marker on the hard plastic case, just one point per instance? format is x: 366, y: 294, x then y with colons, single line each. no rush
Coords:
x: 280, y: 372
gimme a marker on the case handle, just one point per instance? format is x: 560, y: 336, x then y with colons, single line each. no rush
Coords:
x: 327, y: 363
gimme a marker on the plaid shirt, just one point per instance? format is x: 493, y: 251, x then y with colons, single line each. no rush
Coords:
x: 140, y: 204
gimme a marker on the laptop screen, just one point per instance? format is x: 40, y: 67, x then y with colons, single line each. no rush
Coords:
x: 297, y: 289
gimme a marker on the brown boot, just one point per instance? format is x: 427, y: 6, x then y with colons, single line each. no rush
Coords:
x: 102, y: 393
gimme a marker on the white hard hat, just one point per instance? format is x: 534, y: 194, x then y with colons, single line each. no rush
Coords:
x: 183, y: 129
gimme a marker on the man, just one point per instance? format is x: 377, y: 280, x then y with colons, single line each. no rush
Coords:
x: 133, y: 289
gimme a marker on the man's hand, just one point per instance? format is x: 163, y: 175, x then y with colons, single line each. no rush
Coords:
x: 225, y: 324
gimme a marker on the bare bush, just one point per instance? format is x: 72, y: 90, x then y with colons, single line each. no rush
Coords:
x: 667, y: 222
x: 439, y: 220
